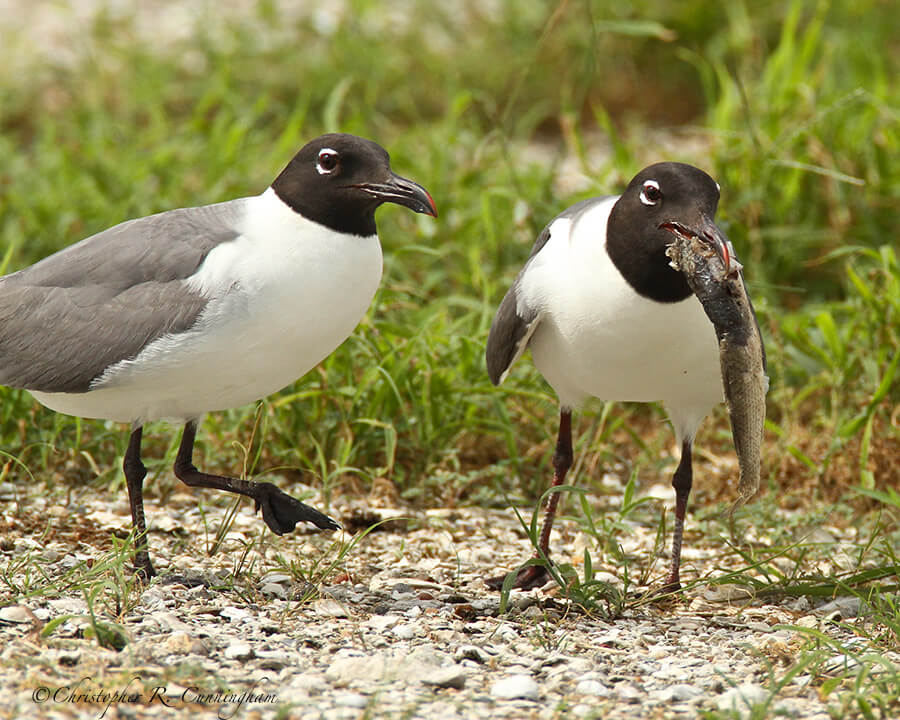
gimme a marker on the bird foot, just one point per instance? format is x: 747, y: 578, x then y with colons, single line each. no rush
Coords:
x: 281, y: 512
x: 669, y: 588
x: 143, y: 568
x: 666, y: 593
x: 188, y: 581
x: 528, y: 578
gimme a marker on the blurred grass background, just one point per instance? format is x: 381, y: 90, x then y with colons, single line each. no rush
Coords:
x: 508, y: 111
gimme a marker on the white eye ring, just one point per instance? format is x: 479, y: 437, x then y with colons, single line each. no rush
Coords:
x: 650, y: 194
x: 326, y: 162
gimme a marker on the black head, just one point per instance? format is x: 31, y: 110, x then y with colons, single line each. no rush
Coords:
x: 661, y: 197
x: 339, y: 181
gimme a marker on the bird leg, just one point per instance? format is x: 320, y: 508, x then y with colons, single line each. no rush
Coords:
x: 135, y: 472
x: 280, y: 511
x: 534, y: 576
x: 681, y: 481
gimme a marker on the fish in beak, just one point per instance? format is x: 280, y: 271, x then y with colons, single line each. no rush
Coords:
x: 710, y: 234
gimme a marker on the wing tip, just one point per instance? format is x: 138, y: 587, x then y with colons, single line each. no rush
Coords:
x: 497, y: 367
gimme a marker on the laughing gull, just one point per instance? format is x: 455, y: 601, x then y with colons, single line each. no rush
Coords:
x: 605, y: 315
x: 200, y: 309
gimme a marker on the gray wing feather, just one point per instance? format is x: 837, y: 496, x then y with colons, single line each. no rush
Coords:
x: 67, y: 318
x: 570, y: 212
x: 515, y: 322
x: 509, y: 335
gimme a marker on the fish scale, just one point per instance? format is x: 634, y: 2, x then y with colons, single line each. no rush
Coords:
x: 723, y: 295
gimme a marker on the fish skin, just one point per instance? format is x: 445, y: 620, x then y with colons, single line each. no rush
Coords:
x: 742, y: 354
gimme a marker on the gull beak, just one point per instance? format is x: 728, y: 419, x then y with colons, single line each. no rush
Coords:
x: 403, y: 192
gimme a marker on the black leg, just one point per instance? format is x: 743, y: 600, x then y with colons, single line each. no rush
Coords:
x: 135, y: 472
x: 681, y: 481
x: 280, y: 511
x: 536, y: 575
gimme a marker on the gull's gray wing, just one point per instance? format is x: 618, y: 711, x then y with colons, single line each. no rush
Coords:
x: 513, y: 325
x: 67, y: 318
x: 516, y: 319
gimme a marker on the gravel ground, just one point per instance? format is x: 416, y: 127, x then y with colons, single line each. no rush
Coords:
x: 404, y: 626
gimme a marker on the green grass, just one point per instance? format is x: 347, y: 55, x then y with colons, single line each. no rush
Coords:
x: 794, y: 109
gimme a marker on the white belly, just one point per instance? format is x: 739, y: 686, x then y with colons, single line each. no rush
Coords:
x: 652, y: 352
x: 598, y: 337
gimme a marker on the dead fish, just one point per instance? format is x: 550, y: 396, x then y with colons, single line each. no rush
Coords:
x: 714, y: 274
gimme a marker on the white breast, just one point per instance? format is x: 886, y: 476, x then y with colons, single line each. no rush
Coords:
x: 598, y: 337
x: 283, y: 296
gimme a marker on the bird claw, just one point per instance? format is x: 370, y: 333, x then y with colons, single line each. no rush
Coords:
x: 281, y: 512
x: 143, y: 568
x: 528, y: 578
x: 667, y: 593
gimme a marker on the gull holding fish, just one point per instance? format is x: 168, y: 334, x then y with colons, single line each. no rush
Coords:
x: 606, y: 315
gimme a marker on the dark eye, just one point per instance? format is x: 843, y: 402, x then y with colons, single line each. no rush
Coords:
x: 327, y: 161
x: 650, y: 193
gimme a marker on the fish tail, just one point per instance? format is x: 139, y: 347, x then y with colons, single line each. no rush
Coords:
x: 747, y: 488
x: 734, y: 506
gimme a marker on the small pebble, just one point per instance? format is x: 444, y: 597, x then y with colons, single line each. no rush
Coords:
x: 274, y: 589
x: 179, y: 643
x: 470, y: 652
x: 380, y: 623
x: 239, y: 651
x: 680, y: 692
x: 16, y: 614
x: 506, y: 633
x: 451, y: 676
x: 404, y: 632
x: 328, y: 607
x: 629, y: 692
x: 742, y: 698
x: 235, y: 614
x: 279, y: 578
x: 353, y: 700
x: 592, y: 687
x: 841, y: 608
x: 516, y: 686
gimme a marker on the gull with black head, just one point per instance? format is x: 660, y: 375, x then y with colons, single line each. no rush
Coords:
x: 605, y: 315
x: 200, y: 309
